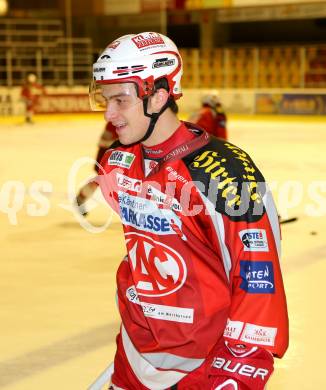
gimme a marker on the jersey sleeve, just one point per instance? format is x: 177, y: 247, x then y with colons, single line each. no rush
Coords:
x: 258, y: 312
x: 106, y: 178
x: 244, y: 225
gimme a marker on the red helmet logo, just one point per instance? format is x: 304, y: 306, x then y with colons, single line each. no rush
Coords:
x: 149, y: 39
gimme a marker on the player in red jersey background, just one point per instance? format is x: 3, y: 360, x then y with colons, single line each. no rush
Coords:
x: 108, y: 136
x: 211, y: 117
x: 30, y: 93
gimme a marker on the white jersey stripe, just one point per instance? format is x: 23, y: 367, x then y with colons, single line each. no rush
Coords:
x: 218, y: 223
x: 170, y: 361
x: 273, y: 219
x: 148, y: 375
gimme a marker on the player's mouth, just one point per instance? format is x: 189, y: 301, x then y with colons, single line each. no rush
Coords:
x: 120, y: 126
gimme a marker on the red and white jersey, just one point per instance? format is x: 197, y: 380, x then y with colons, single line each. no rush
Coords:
x: 213, y: 121
x: 203, y: 244
x: 31, y: 92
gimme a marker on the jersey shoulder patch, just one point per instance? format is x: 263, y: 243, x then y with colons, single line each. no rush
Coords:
x: 119, y: 156
x: 228, y: 177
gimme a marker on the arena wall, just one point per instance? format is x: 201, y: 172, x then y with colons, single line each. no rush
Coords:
x: 235, y: 101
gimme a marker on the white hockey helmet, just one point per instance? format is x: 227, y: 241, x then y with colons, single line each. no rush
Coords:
x: 31, y: 78
x: 211, y: 100
x: 142, y: 59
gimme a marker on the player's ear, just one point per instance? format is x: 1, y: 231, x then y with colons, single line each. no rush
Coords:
x: 158, y: 99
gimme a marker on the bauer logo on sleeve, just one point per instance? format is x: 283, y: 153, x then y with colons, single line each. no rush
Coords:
x: 257, y: 277
x: 254, y: 240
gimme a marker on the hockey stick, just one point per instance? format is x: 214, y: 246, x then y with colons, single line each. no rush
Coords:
x: 103, y: 378
x: 288, y: 220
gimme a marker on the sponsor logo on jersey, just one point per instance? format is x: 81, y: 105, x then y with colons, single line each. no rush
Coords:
x: 129, y: 183
x: 132, y: 295
x: 145, y: 215
x: 149, y: 39
x: 152, y: 152
x: 149, y: 165
x: 159, y: 63
x: 235, y: 194
x: 168, y: 313
x: 261, y: 335
x: 97, y: 70
x: 121, y: 159
x: 163, y: 199
x: 157, y: 269
x: 161, y: 312
x: 257, y: 277
x: 254, y: 240
x: 173, y: 175
x: 233, y: 329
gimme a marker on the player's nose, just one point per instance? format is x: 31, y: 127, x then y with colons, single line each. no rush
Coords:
x: 111, y: 112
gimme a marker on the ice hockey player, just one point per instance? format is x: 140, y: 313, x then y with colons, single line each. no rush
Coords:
x: 30, y: 93
x: 108, y: 136
x: 212, y: 117
x: 200, y: 291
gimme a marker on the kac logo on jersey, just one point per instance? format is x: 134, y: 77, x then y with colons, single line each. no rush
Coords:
x: 257, y: 277
x: 121, y: 159
x: 158, y: 269
x: 254, y: 240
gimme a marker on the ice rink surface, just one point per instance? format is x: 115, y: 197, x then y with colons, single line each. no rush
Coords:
x: 58, y: 318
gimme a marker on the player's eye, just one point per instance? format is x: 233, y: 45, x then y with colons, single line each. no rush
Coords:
x: 123, y: 102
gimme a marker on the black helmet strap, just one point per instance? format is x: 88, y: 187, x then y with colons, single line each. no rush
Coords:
x: 154, y: 117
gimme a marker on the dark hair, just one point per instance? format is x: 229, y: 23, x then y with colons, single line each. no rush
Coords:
x: 162, y: 83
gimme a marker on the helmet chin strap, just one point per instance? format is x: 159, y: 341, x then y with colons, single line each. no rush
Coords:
x: 154, y: 117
